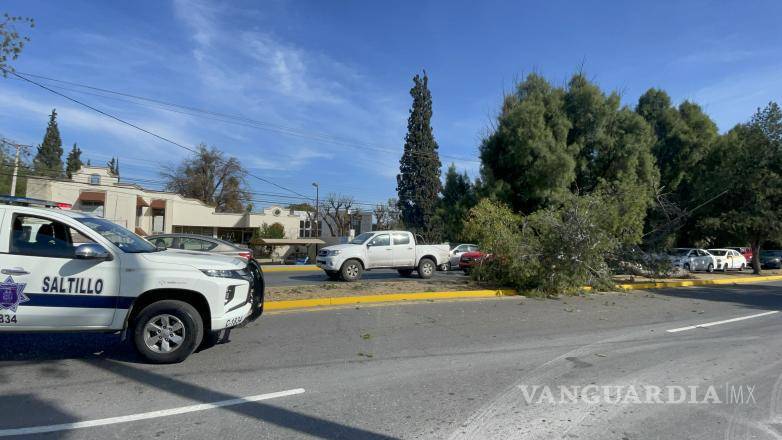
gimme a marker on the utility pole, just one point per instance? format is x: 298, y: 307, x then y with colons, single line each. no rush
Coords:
x: 316, y: 224
x: 16, y: 164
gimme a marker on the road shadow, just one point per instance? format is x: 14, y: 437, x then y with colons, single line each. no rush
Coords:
x: 33, y: 411
x: 58, y: 346
x: 260, y: 411
x: 758, y: 296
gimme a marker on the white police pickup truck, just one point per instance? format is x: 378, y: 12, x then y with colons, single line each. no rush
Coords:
x: 382, y: 250
x: 70, y: 271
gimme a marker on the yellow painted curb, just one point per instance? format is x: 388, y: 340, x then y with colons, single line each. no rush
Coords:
x: 688, y: 283
x: 348, y: 300
x: 302, y: 268
x: 465, y: 294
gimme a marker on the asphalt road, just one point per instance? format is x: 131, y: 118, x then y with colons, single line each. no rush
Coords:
x: 424, y: 370
x: 293, y: 278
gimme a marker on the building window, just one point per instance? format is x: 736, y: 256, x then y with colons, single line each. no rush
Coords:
x: 158, y: 220
x: 94, y: 179
x: 93, y: 207
x: 308, y: 229
x: 355, y: 224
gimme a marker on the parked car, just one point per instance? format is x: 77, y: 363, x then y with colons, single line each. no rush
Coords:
x: 771, y: 259
x: 743, y: 250
x: 458, y: 251
x: 728, y: 259
x: 469, y: 260
x: 192, y: 242
x: 691, y: 259
x: 382, y: 250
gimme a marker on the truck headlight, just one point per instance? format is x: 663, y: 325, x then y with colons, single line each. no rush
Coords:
x: 220, y: 273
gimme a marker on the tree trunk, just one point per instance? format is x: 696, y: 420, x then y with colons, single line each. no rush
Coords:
x: 756, y: 257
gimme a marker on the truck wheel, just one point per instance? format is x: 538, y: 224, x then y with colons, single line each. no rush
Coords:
x: 687, y: 267
x: 710, y: 268
x: 351, y: 270
x: 168, y: 331
x: 405, y: 272
x: 333, y: 276
x: 426, y: 268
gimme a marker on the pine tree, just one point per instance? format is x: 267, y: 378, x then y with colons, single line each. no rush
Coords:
x: 418, y: 181
x: 48, y: 160
x: 458, y: 198
x: 73, y: 163
x: 113, y: 166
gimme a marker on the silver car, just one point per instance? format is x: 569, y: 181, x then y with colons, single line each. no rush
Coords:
x: 691, y: 259
x: 192, y: 242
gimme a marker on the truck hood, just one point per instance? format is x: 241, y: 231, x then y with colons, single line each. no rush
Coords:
x: 199, y: 260
x: 341, y: 247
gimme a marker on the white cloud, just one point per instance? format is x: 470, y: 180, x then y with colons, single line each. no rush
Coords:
x: 734, y: 98
x: 288, y: 159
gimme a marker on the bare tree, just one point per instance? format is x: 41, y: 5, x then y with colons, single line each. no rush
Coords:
x: 386, y: 215
x: 339, y: 214
x: 210, y: 178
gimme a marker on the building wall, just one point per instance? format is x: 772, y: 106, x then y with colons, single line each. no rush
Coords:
x: 121, y: 200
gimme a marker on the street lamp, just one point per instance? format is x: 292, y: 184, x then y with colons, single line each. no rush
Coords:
x: 316, y: 224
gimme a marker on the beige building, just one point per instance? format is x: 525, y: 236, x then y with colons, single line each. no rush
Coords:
x: 148, y: 212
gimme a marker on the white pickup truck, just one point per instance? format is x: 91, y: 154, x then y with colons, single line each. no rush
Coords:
x: 70, y: 271
x: 382, y: 250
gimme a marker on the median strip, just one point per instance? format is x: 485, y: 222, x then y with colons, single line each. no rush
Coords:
x: 347, y: 300
x: 393, y: 297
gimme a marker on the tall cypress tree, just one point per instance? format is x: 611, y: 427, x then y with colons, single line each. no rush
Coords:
x: 73, y: 163
x: 48, y: 160
x: 418, y: 181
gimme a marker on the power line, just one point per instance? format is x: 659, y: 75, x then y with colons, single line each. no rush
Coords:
x: 279, y: 198
x: 165, y: 139
x: 242, y: 120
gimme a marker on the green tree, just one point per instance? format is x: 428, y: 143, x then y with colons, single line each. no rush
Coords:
x: 113, y: 166
x: 48, y: 160
x: 210, y: 177
x: 551, y: 142
x: 274, y: 230
x: 525, y: 161
x: 301, y: 207
x: 457, y: 199
x: 11, y: 41
x: 683, y: 138
x: 73, y: 163
x: 749, y: 153
x: 418, y: 181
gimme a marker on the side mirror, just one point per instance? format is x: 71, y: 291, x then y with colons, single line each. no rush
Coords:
x: 92, y: 251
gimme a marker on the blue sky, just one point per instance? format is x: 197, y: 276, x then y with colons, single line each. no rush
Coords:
x: 343, y: 69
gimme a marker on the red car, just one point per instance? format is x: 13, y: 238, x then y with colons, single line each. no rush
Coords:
x: 470, y: 260
x: 745, y: 251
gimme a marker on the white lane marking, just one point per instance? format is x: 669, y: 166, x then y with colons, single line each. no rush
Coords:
x: 147, y: 415
x: 710, y: 324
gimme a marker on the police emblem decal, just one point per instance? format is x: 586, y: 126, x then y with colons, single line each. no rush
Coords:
x: 12, y: 294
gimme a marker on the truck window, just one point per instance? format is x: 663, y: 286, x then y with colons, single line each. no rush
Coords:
x: 381, y: 240
x: 38, y: 236
x: 400, y: 239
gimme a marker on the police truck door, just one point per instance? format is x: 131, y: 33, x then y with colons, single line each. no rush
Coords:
x: 44, y: 284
